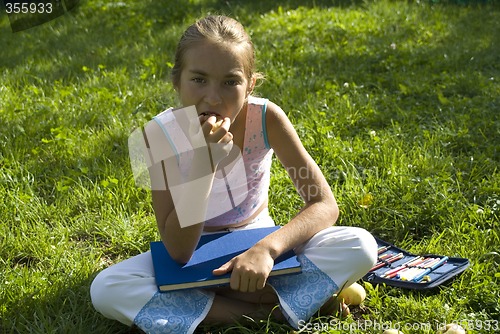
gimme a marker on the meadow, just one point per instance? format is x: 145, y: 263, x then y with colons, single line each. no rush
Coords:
x: 397, y: 101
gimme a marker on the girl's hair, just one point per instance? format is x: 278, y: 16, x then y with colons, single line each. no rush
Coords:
x: 220, y: 30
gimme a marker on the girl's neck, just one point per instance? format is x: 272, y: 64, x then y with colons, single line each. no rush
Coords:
x: 238, y: 127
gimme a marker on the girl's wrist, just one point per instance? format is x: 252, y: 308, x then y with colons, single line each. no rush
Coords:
x: 268, y: 248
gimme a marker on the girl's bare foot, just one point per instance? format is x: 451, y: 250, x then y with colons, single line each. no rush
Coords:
x: 335, y: 307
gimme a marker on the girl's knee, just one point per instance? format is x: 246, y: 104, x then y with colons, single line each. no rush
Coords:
x: 121, y: 291
x: 99, y: 292
x: 349, y: 249
x: 367, y: 247
x: 109, y: 298
x: 345, y: 238
x: 362, y: 253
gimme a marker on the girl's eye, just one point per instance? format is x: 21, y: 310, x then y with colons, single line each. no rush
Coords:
x: 198, y: 80
x: 232, y: 82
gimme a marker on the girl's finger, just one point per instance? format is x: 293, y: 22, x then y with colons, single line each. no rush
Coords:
x: 208, y: 124
x: 234, y: 281
x: 261, y: 283
x: 226, y: 123
x: 225, y: 268
x: 228, y: 137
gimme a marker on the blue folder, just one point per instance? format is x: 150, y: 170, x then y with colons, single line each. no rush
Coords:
x: 212, y: 251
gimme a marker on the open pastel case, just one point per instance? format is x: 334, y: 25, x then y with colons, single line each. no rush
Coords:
x: 444, y: 268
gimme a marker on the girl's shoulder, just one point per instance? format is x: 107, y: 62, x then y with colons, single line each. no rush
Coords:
x: 271, y: 113
x: 269, y: 108
x: 266, y: 117
x: 284, y: 140
x: 275, y: 116
x: 257, y: 101
x: 279, y: 128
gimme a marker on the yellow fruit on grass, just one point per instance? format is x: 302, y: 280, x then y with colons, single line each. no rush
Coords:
x: 392, y: 331
x: 353, y: 294
x: 451, y: 329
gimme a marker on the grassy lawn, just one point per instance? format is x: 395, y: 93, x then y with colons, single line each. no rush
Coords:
x: 398, y: 102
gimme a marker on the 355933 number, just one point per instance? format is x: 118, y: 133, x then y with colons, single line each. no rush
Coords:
x: 25, y: 8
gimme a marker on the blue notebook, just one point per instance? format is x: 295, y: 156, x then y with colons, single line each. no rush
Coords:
x: 212, y: 251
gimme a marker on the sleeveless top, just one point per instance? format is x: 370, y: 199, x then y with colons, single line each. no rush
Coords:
x: 256, y: 159
x: 239, y: 189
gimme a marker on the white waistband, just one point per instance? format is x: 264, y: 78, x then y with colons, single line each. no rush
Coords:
x: 263, y: 219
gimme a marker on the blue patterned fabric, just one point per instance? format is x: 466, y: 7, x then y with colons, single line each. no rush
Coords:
x: 303, y: 294
x: 175, y: 312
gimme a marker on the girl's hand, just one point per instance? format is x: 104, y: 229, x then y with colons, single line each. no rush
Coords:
x: 250, y: 270
x: 217, y: 136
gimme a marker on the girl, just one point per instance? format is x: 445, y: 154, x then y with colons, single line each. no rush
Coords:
x: 215, y: 72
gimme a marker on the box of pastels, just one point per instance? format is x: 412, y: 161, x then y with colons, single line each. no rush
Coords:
x: 399, y: 268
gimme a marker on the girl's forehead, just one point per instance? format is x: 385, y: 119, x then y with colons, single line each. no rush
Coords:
x: 215, y: 57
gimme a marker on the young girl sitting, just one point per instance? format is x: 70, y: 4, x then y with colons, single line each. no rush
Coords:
x: 234, y: 131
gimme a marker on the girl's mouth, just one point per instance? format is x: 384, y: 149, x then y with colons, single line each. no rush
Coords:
x: 210, y: 114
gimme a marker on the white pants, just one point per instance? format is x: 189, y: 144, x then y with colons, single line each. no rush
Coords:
x: 333, y: 258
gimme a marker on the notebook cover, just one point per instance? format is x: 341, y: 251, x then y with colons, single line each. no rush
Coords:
x: 212, y: 251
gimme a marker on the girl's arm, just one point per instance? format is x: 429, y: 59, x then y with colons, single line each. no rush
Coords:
x: 180, y: 241
x: 320, y: 210
x: 180, y: 235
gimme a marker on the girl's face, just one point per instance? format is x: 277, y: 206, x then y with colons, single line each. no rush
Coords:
x: 213, y: 79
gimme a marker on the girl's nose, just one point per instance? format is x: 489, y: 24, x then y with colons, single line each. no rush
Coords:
x: 213, y: 96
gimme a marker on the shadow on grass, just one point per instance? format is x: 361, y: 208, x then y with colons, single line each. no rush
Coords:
x: 64, y: 307
x: 100, y: 33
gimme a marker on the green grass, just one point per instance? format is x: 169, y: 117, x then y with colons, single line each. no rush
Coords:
x: 398, y: 102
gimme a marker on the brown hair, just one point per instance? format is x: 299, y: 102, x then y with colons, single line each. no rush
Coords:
x: 216, y: 29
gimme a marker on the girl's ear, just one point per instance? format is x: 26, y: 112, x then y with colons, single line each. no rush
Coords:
x: 251, y: 85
